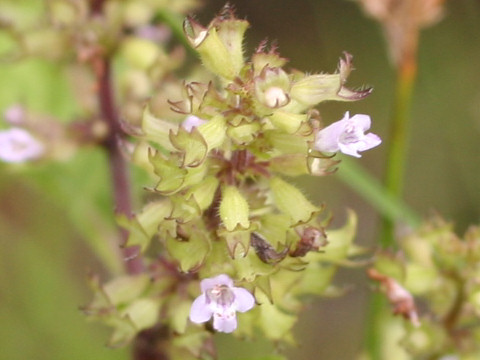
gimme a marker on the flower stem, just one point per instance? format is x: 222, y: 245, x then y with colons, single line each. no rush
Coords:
x: 394, y: 178
x: 118, y: 166
x: 398, y: 140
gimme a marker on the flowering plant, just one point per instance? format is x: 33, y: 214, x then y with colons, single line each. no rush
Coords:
x: 209, y: 233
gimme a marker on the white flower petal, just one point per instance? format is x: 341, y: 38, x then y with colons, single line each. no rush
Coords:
x: 350, y: 149
x: 327, y: 138
x: 200, y: 311
x: 347, y: 135
x: 17, y: 145
x: 191, y: 122
x: 363, y: 121
x: 225, y: 322
x: 210, y: 283
x: 370, y: 141
x: 244, y: 300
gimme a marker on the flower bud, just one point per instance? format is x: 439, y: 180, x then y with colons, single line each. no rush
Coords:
x: 313, y: 89
x: 219, y: 45
x: 233, y: 209
x: 272, y: 87
x: 291, y: 201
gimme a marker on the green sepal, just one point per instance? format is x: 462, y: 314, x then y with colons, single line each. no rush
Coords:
x: 249, y: 267
x: 116, y: 305
x: 125, y: 289
x: 276, y: 324
x: 274, y: 227
x: 191, y: 144
x: 217, y: 262
x: 213, y: 131
x: 243, y: 133
x: 190, y: 253
x: 216, y: 57
x: 237, y: 240
x: 290, y: 164
x: 313, y: 89
x: 286, y: 143
x: 184, y: 209
x: 233, y: 209
x: 291, y: 201
x: 157, y: 130
x: 173, y: 178
x: 178, y: 312
x: 143, y: 226
x: 260, y: 60
x: 142, y: 312
x: 231, y: 32
x: 288, y: 122
x: 204, y: 192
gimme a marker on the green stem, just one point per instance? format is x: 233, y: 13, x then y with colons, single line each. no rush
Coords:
x: 398, y: 142
x: 367, y: 186
x: 394, y: 177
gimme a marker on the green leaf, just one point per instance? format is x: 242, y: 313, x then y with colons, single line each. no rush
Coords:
x: 370, y: 188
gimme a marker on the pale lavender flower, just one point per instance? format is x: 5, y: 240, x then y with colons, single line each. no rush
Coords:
x: 17, y: 145
x: 192, y: 121
x: 221, y: 300
x: 347, y: 135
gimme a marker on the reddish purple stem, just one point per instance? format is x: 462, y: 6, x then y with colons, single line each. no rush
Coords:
x: 118, y: 166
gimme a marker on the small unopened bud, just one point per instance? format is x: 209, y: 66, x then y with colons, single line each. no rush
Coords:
x: 220, y: 45
x: 234, y: 209
x: 275, y: 97
x: 271, y: 88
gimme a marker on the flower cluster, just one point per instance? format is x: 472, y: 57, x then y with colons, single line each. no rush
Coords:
x: 439, y: 269
x: 221, y: 204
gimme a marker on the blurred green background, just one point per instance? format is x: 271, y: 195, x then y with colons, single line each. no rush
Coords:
x: 44, y: 255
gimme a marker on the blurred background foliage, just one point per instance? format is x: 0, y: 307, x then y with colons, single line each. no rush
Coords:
x: 44, y: 225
